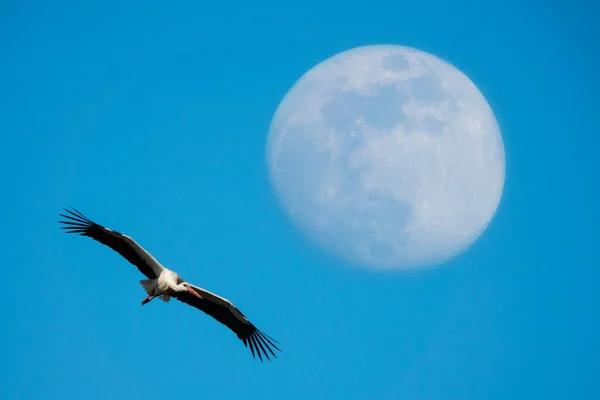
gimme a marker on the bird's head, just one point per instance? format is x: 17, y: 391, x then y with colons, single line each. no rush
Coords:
x: 186, y: 287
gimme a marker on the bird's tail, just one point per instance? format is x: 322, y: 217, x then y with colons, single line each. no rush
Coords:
x: 148, y: 284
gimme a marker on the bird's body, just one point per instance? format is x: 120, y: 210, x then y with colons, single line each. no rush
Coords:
x: 164, y: 283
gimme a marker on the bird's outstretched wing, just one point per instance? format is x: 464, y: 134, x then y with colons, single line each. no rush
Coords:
x: 226, y: 313
x: 76, y: 222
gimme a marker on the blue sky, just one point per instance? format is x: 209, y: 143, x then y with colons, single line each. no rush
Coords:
x: 151, y: 118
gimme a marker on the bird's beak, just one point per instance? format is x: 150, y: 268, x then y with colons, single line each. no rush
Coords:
x: 192, y: 291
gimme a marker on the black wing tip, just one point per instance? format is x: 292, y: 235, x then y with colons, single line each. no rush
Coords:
x: 76, y: 213
x: 75, y: 222
x: 261, y: 344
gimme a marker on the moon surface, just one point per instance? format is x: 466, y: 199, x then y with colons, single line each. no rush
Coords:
x: 387, y: 157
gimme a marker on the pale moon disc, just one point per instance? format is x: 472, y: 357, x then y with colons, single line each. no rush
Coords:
x: 388, y: 157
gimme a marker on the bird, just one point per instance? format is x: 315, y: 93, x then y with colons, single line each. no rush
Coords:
x: 164, y: 283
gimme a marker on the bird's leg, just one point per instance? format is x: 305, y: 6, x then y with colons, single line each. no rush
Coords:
x: 149, y: 298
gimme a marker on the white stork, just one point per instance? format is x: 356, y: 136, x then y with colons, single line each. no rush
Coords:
x: 165, y: 283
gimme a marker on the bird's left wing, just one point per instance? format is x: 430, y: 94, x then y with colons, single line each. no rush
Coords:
x: 76, y: 222
x: 226, y: 313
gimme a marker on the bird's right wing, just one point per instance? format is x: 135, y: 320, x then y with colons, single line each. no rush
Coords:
x: 76, y: 222
x: 229, y: 315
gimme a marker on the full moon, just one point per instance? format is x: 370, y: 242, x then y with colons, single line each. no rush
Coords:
x: 387, y: 157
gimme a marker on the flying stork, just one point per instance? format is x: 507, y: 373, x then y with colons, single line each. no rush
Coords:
x: 165, y: 283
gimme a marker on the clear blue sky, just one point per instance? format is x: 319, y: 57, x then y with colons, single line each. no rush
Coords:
x: 151, y: 117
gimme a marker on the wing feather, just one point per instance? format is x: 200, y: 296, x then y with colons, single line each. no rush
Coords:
x: 229, y: 315
x: 76, y: 222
